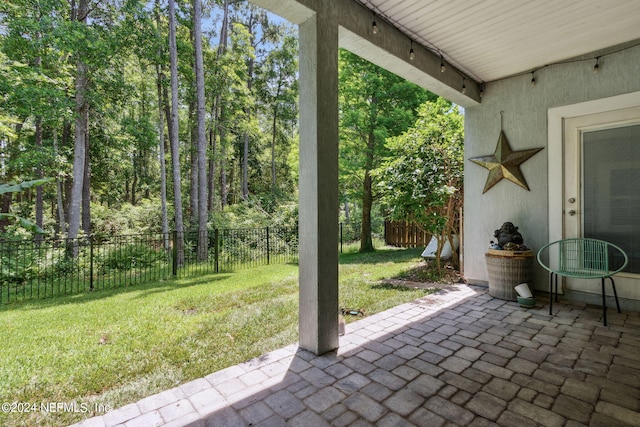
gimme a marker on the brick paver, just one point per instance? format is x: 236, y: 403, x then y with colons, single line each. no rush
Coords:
x: 457, y: 357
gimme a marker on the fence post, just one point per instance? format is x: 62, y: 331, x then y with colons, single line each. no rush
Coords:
x: 175, y: 252
x: 216, y: 251
x: 91, y: 263
x: 268, y: 259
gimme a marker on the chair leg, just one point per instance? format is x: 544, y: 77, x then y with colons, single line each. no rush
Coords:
x: 550, y: 292
x: 556, y: 285
x: 604, y: 305
x: 615, y: 294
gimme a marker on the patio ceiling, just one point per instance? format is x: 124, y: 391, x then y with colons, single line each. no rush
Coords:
x: 493, y: 39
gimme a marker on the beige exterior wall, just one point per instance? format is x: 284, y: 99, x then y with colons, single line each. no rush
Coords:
x: 526, y: 125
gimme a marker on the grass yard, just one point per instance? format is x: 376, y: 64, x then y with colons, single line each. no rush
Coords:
x: 115, y: 347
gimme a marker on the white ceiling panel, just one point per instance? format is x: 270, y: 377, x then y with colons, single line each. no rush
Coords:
x: 494, y: 39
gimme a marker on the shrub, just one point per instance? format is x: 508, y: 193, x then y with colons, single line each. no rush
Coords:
x: 134, y: 255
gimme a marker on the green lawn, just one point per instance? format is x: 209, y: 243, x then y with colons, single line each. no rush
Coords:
x: 115, y: 347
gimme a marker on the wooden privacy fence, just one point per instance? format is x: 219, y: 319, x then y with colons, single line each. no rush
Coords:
x: 403, y: 234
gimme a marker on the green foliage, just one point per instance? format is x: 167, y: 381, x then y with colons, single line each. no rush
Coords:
x: 41, y: 42
x: 23, y: 264
x: 422, y: 178
x: 144, y: 217
x: 374, y: 105
x: 17, y: 188
x: 253, y: 214
x: 18, y: 269
x: 127, y: 257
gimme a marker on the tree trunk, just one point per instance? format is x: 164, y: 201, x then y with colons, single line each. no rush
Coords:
x: 86, y: 190
x: 163, y: 165
x: 61, y: 227
x: 161, y: 148
x: 79, y: 148
x: 347, y: 212
x: 245, y: 165
x: 223, y: 170
x: 175, y: 149
x: 193, y: 158
x: 211, y: 175
x: 219, y: 110
x: 167, y: 111
x: 202, y: 137
x: 366, y: 241
x: 67, y: 182
x: 134, y: 179
x: 247, y: 111
x: 39, y: 205
x: 273, y: 147
x: 39, y: 174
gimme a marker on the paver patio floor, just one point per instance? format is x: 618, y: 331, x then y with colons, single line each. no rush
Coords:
x: 455, y: 358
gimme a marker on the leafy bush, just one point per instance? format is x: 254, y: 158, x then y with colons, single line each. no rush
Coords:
x: 134, y: 255
x: 252, y: 214
x: 145, y: 217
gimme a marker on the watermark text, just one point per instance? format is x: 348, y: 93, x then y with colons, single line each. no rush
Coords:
x: 52, y: 407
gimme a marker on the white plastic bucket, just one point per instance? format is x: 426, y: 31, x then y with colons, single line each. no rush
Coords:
x: 523, y: 290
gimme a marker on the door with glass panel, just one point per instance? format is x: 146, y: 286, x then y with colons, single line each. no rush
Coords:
x: 602, y: 189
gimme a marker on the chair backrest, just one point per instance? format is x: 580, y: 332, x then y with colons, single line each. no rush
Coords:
x: 581, y: 257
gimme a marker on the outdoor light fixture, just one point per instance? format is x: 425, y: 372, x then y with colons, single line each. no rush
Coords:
x: 412, y: 54
x: 442, y: 66
x: 533, y: 80
x: 464, y: 87
x: 374, y: 26
x: 596, y: 68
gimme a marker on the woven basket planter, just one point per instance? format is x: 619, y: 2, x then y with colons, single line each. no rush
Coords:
x: 507, y: 269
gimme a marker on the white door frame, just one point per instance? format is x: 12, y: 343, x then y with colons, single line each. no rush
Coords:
x: 555, y: 164
x: 574, y: 129
x: 555, y: 152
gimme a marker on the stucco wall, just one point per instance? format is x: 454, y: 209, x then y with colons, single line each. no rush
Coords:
x: 525, y: 125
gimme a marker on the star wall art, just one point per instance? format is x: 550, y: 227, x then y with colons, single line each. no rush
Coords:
x: 505, y: 163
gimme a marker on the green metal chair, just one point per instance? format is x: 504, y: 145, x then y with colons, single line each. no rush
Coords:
x: 582, y: 258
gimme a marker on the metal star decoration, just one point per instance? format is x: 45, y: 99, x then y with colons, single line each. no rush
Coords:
x: 505, y: 163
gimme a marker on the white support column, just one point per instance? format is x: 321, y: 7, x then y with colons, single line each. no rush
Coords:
x: 318, y: 186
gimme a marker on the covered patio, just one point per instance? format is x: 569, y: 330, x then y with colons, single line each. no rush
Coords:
x: 458, y: 357
x: 522, y: 69
x: 455, y: 358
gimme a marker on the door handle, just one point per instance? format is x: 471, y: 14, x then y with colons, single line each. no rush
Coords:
x: 572, y: 212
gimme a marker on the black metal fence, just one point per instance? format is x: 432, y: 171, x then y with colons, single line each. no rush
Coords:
x: 230, y: 249
x: 51, y: 267
x: 32, y: 269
